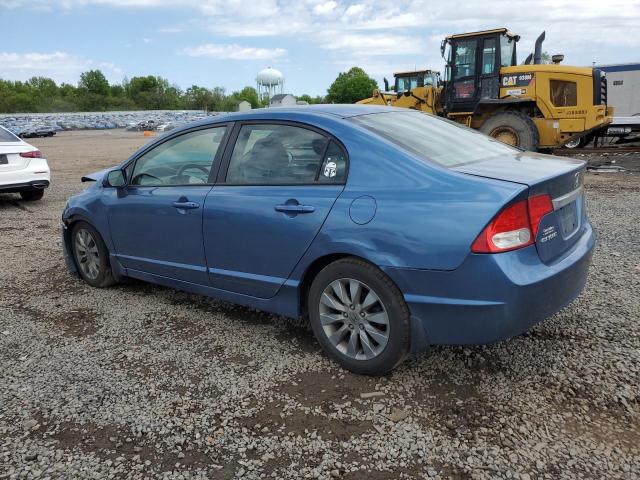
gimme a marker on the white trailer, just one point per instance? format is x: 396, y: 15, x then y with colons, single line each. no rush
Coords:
x: 623, y: 88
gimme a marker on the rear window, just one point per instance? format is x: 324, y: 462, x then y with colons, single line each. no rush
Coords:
x: 7, y: 136
x: 435, y: 139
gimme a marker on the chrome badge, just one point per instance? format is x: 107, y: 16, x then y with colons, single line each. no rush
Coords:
x: 576, y: 180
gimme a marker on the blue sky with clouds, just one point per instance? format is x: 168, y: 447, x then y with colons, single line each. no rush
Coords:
x: 225, y: 43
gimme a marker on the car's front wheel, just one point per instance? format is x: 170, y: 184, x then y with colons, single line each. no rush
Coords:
x: 359, y: 317
x: 91, y: 255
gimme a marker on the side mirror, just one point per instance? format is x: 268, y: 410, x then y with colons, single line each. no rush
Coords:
x: 116, y: 179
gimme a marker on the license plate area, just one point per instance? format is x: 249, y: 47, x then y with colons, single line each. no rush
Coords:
x: 3, y: 159
x: 568, y: 219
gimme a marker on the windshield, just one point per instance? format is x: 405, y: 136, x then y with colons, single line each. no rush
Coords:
x: 404, y: 84
x: 434, y: 139
x: 409, y: 83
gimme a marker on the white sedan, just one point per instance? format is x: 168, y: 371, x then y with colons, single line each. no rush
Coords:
x: 22, y: 168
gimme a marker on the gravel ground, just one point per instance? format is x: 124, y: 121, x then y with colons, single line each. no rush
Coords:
x: 139, y: 381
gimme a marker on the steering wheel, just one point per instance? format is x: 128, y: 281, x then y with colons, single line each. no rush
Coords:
x: 192, y: 165
x: 136, y: 180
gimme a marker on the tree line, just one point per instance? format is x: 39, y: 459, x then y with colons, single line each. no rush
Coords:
x: 94, y: 93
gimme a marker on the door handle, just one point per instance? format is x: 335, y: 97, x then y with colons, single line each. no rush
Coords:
x: 186, y: 205
x: 287, y: 208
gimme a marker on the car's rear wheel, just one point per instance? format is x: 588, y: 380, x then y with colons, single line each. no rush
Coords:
x: 32, y: 195
x: 91, y: 255
x: 359, y: 317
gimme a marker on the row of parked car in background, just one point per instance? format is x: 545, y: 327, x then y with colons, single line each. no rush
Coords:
x: 47, y: 125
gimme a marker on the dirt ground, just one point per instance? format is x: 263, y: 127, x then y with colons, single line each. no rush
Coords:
x: 139, y: 381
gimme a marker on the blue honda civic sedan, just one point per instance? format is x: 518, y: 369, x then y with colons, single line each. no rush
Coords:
x: 388, y: 229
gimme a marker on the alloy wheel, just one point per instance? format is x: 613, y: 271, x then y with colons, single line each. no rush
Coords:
x: 87, y: 254
x: 354, y: 319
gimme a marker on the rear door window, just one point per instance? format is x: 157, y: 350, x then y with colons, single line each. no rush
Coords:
x: 274, y: 154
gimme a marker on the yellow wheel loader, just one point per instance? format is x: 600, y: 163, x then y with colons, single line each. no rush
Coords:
x: 532, y: 106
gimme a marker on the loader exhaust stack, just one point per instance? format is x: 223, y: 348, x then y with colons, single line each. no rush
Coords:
x: 537, y: 56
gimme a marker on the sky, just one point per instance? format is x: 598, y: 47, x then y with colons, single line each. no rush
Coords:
x: 226, y: 42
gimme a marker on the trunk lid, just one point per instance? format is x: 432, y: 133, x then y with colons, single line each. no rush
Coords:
x: 560, y: 178
x: 10, y: 159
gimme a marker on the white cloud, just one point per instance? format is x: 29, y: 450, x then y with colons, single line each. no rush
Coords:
x: 60, y: 66
x: 234, y: 8
x: 364, y: 31
x: 233, y: 52
x: 353, y: 10
x: 325, y: 8
x: 372, y: 45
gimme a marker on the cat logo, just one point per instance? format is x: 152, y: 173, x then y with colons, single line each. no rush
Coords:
x: 516, y: 80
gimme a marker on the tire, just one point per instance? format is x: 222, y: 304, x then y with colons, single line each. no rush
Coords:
x: 90, y: 251
x: 575, y: 143
x: 348, y: 326
x: 32, y: 195
x: 514, y: 126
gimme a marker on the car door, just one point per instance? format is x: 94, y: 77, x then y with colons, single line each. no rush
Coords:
x: 156, y: 219
x: 279, y: 184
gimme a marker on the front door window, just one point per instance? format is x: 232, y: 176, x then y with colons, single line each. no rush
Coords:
x: 184, y: 160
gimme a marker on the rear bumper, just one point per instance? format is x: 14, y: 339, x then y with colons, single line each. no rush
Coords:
x: 21, y: 187
x: 34, y: 176
x: 491, y: 297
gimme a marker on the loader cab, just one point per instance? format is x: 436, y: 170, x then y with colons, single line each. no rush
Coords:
x: 473, y: 62
x: 407, y: 81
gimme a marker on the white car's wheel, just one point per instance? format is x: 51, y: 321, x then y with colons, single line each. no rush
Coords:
x: 32, y: 195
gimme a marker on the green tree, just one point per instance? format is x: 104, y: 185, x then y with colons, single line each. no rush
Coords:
x: 153, y: 93
x: 67, y: 91
x: 197, y: 98
x: 351, y: 86
x: 94, y: 82
x: 250, y: 95
x: 311, y: 100
x: 218, y: 96
x: 117, y: 91
x: 545, y: 57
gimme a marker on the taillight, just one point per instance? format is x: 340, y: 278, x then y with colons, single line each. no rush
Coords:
x: 539, y: 206
x: 514, y: 227
x: 32, y: 154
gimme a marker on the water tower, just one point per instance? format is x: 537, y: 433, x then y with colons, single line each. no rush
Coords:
x: 270, y: 82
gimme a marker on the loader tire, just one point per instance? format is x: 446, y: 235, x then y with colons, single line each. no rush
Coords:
x: 513, y: 128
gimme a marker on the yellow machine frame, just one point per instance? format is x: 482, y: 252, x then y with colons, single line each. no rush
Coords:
x: 560, y: 100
